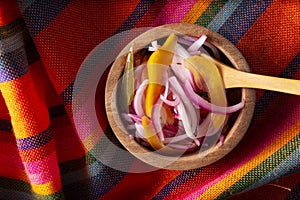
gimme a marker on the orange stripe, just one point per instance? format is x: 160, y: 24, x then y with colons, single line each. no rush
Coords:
x: 9, y: 11
x: 29, y: 115
x: 273, y: 40
x: 196, y: 11
x: 217, y: 189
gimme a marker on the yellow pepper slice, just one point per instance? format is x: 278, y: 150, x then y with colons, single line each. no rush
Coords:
x: 157, y: 65
x: 150, y: 134
x: 214, y: 83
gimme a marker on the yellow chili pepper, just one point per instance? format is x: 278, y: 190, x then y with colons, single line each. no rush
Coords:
x: 128, y: 79
x: 214, y: 83
x: 157, y: 65
x: 150, y: 134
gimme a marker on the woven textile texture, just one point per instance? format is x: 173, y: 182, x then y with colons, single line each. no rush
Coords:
x: 42, y: 46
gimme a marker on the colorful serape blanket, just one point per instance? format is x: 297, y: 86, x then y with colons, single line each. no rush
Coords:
x: 43, y: 43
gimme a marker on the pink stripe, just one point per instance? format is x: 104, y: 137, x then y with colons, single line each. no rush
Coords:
x: 166, y: 16
x: 267, y: 134
x: 45, y: 177
x: 49, y: 163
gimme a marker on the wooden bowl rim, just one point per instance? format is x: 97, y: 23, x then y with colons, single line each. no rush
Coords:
x: 191, y: 160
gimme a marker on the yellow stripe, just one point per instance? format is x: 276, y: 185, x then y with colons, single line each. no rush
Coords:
x: 47, y: 188
x: 196, y: 11
x: 217, y: 189
x: 92, y: 139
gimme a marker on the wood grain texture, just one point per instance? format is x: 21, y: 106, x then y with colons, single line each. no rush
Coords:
x: 238, y: 79
x: 191, y: 160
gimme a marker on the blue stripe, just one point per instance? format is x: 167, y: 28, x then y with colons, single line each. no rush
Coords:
x: 242, y: 19
x: 223, y: 15
x: 175, y: 183
x: 40, y: 13
x: 35, y: 141
x: 13, y: 65
x: 268, y: 96
x: 141, y: 9
x: 291, y: 163
x: 11, y: 43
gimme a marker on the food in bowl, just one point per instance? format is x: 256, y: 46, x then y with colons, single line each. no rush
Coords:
x: 172, y: 98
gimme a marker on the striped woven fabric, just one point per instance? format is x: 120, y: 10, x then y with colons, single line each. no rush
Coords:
x: 44, y: 43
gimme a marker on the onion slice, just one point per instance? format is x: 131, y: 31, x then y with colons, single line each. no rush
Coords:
x: 186, y: 110
x: 139, y: 99
x: 200, y: 102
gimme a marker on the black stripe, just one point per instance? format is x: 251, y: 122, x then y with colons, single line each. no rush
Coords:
x: 18, y: 26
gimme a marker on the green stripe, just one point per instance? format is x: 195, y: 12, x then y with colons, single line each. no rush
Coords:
x: 262, y: 169
x: 210, y: 12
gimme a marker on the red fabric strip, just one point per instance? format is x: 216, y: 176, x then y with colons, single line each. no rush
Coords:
x: 141, y: 186
x: 273, y: 40
x: 9, y: 11
x: 68, y: 145
x: 61, y: 53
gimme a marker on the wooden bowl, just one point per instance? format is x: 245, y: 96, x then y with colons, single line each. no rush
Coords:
x: 194, y: 159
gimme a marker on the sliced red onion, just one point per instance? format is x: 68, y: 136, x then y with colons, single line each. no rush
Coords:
x: 140, y: 74
x: 185, y: 41
x: 139, y: 131
x: 175, y: 139
x: 135, y: 118
x: 173, y: 103
x: 198, y: 43
x: 185, y: 109
x: 154, y: 46
x: 197, y: 142
x: 126, y: 117
x: 195, y: 53
x: 200, y: 102
x: 139, y: 99
x: 202, y: 50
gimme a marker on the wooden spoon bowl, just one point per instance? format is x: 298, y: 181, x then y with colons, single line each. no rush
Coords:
x: 194, y: 159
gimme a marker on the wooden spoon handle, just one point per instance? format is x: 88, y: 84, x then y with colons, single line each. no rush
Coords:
x: 234, y: 78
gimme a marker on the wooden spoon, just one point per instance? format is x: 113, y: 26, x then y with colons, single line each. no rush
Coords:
x: 234, y: 78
